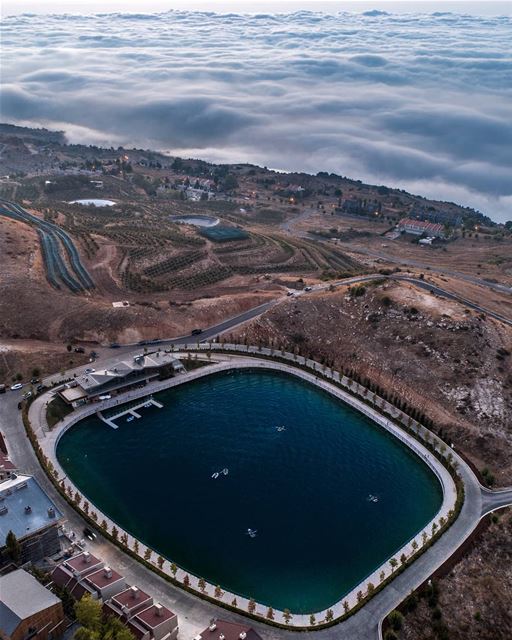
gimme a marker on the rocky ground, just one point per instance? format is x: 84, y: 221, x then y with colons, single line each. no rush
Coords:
x: 474, y: 599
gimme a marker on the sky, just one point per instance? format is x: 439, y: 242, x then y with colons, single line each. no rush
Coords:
x: 407, y: 95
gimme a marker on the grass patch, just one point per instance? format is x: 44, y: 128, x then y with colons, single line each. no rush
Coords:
x: 56, y: 410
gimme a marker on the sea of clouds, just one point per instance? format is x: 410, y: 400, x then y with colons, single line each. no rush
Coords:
x: 421, y: 102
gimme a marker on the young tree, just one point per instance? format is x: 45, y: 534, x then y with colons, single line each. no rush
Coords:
x: 218, y: 593
x: 393, y: 562
x: 13, y: 547
x: 312, y: 620
x: 174, y: 569
x: 136, y: 547
x: 234, y: 602
x: 186, y: 580
x: 115, y: 532
x: 270, y: 613
x: 88, y: 613
x: 346, y: 606
x: 251, y: 606
x: 160, y: 562
x: 287, y: 615
x: 147, y: 554
x: 396, y: 620
x: 329, y: 615
x: 201, y: 583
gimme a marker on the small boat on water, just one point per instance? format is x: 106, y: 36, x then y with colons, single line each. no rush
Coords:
x: 130, y: 418
x: 372, y: 498
x: 251, y: 533
x: 215, y: 475
x: 225, y: 471
x: 281, y: 428
x: 147, y: 405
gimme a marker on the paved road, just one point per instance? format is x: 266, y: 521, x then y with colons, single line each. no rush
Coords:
x: 502, y: 288
x: 494, y: 500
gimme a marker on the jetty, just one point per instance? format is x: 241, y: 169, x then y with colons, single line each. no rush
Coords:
x: 133, y: 411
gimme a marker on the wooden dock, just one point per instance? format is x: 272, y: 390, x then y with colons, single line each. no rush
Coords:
x: 129, y: 411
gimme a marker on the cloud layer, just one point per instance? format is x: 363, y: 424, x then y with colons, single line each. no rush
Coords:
x: 423, y: 102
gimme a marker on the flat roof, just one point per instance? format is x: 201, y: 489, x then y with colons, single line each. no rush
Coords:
x: 230, y: 630
x: 83, y: 561
x: 100, y: 579
x: 75, y: 393
x: 130, y: 599
x: 22, y: 596
x: 16, y: 495
x: 151, y: 618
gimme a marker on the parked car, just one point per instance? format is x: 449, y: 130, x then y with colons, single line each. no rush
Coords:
x: 90, y: 534
x: 90, y: 370
x: 16, y: 386
x: 308, y: 288
x: 40, y: 388
x: 79, y: 350
x: 27, y: 395
x: 35, y: 381
x: 196, y: 332
x: 115, y: 345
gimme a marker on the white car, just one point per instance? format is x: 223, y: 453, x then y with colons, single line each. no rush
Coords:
x: 90, y: 370
x: 16, y: 386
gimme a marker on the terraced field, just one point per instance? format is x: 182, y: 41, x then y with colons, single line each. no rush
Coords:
x: 72, y: 274
x: 154, y: 254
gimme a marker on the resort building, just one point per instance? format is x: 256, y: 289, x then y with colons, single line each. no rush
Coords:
x: 146, y: 619
x: 122, y: 375
x: 223, y: 630
x: 85, y: 573
x: 27, y: 609
x: 28, y: 512
x: 420, y: 227
x: 154, y: 623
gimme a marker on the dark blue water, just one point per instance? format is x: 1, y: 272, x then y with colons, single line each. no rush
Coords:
x: 304, y: 489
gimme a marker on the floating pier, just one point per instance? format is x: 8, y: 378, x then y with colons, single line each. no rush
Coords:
x: 129, y: 411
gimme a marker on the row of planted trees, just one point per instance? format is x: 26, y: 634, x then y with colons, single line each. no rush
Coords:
x: 395, y: 564
x: 121, y: 538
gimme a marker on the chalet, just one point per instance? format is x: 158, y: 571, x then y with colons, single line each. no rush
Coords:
x: 420, y: 227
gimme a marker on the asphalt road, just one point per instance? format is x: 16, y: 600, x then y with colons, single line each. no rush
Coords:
x: 496, y: 286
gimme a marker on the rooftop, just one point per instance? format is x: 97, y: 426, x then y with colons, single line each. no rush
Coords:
x: 132, y: 597
x: 154, y: 616
x: 22, y: 596
x: 83, y: 561
x: 119, y: 370
x: 103, y: 577
x: 230, y: 631
x: 25, y: 508
x: 421, y: 224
